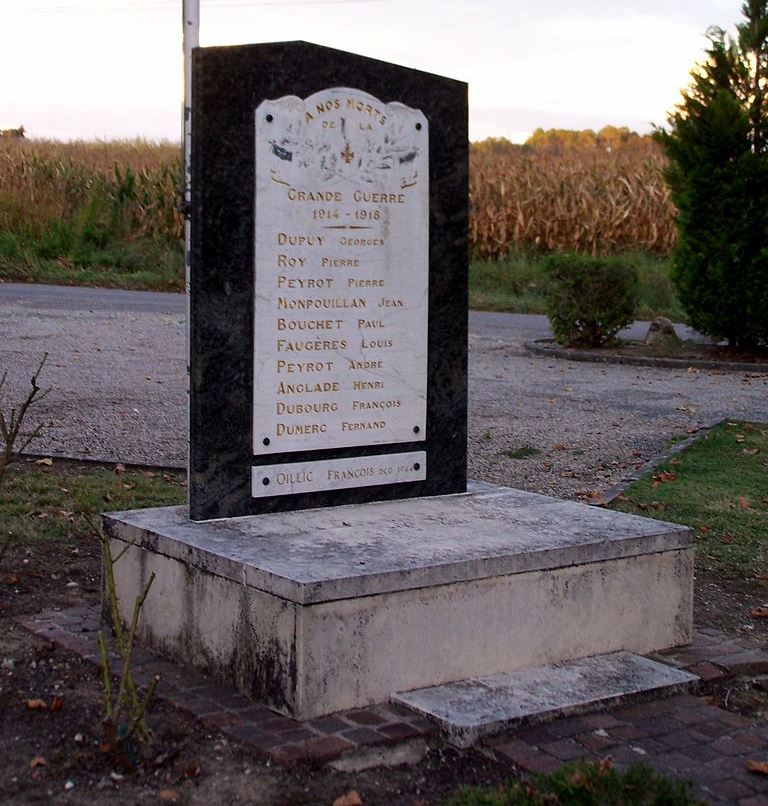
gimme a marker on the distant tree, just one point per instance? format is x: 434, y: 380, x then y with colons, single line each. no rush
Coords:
x: 717, y: 143
x: 612, y: 138
x: 562, y: 141
x: 12, y: 134
x: 495, y: 145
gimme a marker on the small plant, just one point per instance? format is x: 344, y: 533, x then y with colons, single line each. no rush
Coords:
x: 585, y: 784
x: 124, y: 710
x: 14, y: 439
x: 589, y: 299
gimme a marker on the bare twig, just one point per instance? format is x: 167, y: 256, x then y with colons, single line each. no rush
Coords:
x: 124, y: 710
x: 14, y: 440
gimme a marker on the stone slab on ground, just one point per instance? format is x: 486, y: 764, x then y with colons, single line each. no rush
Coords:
x: 318, y: 611
x: 469, y: 709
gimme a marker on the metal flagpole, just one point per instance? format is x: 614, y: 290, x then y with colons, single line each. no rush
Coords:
x: 190, y: 39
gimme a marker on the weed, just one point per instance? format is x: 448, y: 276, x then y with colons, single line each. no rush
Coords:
x: 585, y: 784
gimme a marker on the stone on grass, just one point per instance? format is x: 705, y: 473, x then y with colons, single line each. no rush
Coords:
x: 662, y: 334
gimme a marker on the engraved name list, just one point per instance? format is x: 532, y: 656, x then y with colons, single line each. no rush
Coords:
x: 341, y: 285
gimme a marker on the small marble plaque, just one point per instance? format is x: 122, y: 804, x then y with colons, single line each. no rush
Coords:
x: 341, y: 273
x: 336, y: 474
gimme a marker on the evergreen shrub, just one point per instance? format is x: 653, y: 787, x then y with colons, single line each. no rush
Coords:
x: 589, y: 299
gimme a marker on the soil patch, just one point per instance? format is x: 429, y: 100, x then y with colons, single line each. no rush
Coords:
x: 746, y: 695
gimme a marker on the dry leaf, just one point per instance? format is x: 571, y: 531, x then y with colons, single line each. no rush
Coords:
x: 743, y: 503
x: 560, y: 447
x: 578, y: 778
x: 193, y: 771
x: 350, y: 799
x: 727, y: 539
x: 750, y: 451
x: 758, y: 612
x: 38, y: 761
x: 119, y: 469
x: 675, y: 462
x: 47, y: 462
x: 606, y: 764
x: 57, y: 703
x: 169, y: 795
x: 36, y: 705
x: 759, y: 767
x: 705, y: 529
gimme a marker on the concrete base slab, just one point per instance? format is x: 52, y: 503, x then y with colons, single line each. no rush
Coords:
x: 469, y: 709
x: 317, y: 611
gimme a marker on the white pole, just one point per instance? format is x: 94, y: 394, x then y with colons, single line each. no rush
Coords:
x: 190, y: 39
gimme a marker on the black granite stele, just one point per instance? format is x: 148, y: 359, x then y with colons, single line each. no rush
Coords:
x: 227, y: 86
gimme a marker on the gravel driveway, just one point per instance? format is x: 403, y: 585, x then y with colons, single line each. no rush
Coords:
x: 117, y: 372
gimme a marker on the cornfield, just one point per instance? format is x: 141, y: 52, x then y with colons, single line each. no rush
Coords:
x: 127, y: 188
x: 591, y: 201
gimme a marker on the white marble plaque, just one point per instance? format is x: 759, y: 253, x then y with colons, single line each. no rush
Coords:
x: 341, y: 273
x: 336, y: 474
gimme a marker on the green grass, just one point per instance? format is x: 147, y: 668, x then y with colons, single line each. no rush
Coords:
x: 41, y: 502
x: 719, y: 487
x: 517, y: 284
x: 584, y: 784
x: 66, y: 258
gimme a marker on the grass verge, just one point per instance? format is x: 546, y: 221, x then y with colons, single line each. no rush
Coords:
x: 584, y: 784
x: 719, y: 487
x: 517, y: 284
x: 151, y: 264
x: 43, y: 502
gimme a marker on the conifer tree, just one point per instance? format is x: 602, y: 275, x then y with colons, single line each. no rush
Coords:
x: 717, y: 144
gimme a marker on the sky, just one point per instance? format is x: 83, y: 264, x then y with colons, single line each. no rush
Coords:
x: 108, y: 69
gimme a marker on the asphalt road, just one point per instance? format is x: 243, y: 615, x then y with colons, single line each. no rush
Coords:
x: 117, y: 373
x: 500, y: 326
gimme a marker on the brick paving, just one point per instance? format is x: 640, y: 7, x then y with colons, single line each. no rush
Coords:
x: 683, y: 736
x: 270, y: 734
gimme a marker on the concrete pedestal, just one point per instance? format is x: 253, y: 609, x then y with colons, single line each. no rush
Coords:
x: 317, y: 611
